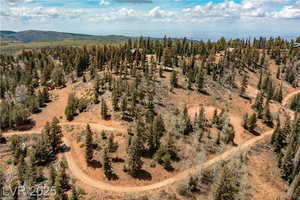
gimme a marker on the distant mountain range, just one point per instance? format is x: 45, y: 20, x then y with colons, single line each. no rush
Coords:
x: 37, y: 36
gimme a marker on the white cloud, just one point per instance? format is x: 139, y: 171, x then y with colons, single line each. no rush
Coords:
x: 39, y: 13
x: 288, y: 12
x: 123, y: 14
x: 13, y: 2
x: 245, y: 12
x: 157, y: 12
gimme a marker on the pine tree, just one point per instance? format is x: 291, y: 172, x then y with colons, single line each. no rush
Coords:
x: 252, y: 123
x: 226, y: 185
x: 200, y: 81
x: 258, y: 105
x: 22, y: 166
x: 88, y: 144
x: 245, y: 121
x: 31, y: 172
x: 104, y: 110
x: 215, y: 119
x: 115, y: 101
x: 112, y: 146
x: 173, y: 80
x: 58, y: 77
x: 55, y: 135
x: 287, y: 162
x: 61, y: 184
x: 166, y: 153
x: 157, y: 130
x: 45, y: 95
x: 267, y: 115
x: 52, y: 175
x: 201, y: 121
x: 167, y: 57
x: 259, y: 85
x: 124, y: 107
x: 244, y: 85
x: 96, y: 96
x: 228, y: 132
x: 134, y: 162
x: 276, y: 131
x: 69, y: 112
x: 40, y: 99
x: 106, y: 161
x: 71, y: 108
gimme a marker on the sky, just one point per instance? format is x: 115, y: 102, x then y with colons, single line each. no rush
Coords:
x: 194, y: 19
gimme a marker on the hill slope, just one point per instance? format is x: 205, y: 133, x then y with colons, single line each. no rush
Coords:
x: 36, y: 36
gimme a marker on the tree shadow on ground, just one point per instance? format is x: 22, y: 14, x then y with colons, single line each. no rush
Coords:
x: 95, y: 164
x: 142, y: 175
x: 118, y: 160
x: 254, y: 132
x: 28, y: 124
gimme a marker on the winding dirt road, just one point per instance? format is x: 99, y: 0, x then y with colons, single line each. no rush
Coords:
x: 78, y: 173
x: 286, y: 99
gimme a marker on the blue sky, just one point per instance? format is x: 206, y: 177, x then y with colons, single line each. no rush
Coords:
x: 197, y: 19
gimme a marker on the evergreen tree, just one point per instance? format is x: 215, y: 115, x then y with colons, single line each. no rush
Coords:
x: 167, y: 57
x: 61, y: 184
x: 166, y: 153
x: 115, y: 101
x: 202, y: 121
x: 173, y: 80
x: 88, y: 144
x: 58, y: 77
x: 226, y: 186
x: 276, y: 132
x: 52, y: 175
x: 228, y: 132
x: 104, y: 110
x: 267, y: 115
x: 295, y: 103
x: 215, y: 118
x: 69, y: 112
x: 54, y: 135
x: 112, y: 146
x: 259, y: 85
x: 287, y: 162
x: 244, y: 85
x: 252, y: 123
x: 134, y: 162
x: 157, y: 130
x: 200, y: 81
x: 107, y: 167
x: 258, y: 105
x: 71, y: 107
x: 245, y: 121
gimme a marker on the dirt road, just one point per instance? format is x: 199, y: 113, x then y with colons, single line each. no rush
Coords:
x: 78, y: 173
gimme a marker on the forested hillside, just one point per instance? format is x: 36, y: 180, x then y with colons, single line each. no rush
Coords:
x: 153, y: 119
